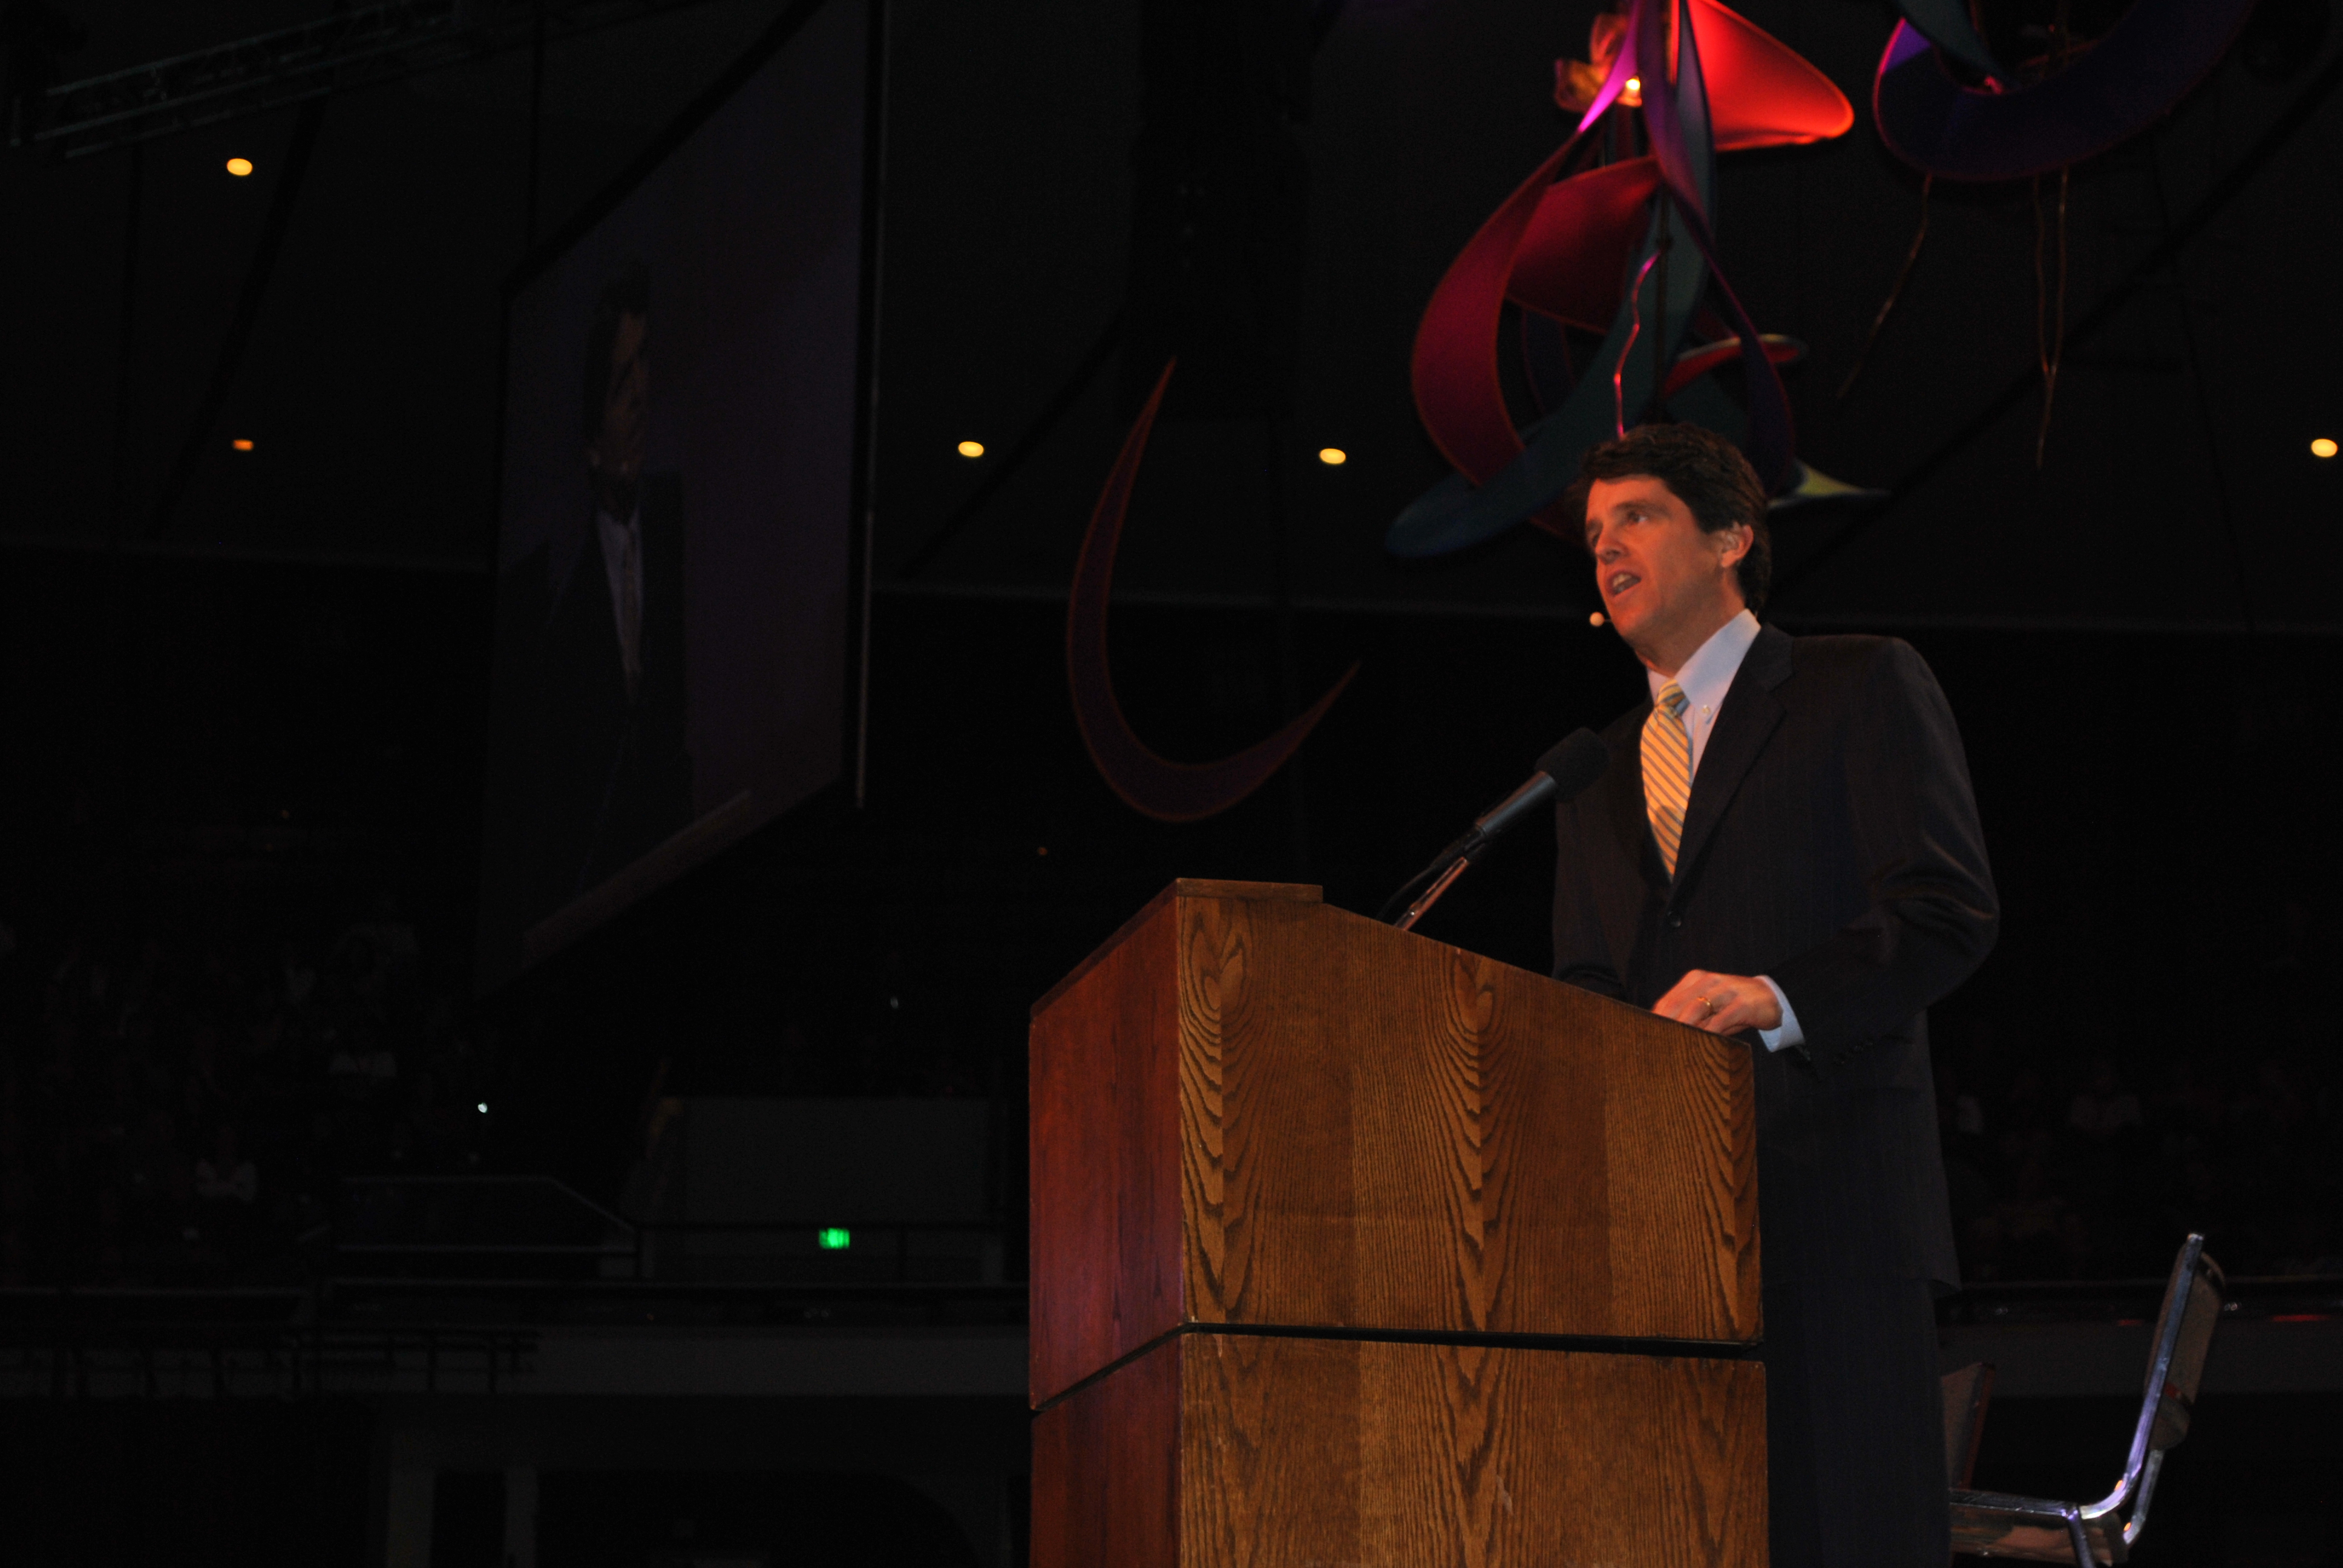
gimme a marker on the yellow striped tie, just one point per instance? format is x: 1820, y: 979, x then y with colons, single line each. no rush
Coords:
x: 1667, y: 771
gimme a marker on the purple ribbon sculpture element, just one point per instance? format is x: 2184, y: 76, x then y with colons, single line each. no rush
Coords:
x: 2117, y: 88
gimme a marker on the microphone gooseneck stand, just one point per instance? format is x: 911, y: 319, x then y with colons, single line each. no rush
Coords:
x: 1432, y: 894
x: 1564, y: 770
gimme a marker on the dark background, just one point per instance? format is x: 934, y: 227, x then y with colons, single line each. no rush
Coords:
x: 246, y: 731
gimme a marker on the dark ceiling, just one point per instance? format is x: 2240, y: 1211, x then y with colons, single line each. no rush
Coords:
x: 2178, y: 489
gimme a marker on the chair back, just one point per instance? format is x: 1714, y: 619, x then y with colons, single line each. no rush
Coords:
x: 2088, y: 1534
x: 2184, y: 1333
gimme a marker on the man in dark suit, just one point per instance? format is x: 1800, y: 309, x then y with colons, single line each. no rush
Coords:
x: 612, y: 757
x: 1785, y: 849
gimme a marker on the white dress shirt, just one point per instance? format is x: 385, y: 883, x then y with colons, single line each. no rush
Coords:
x: 616, y: 561
x: 1704, y: 679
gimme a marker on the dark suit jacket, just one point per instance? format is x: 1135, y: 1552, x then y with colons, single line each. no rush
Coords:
x: 1831, y: 843
x: 614, y: 774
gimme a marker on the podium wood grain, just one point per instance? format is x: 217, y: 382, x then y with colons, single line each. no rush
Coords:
x: 1249, y: 1108
x: 1218, y: 1449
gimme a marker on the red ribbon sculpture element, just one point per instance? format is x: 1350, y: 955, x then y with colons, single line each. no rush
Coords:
x: 1149, y: 784
x: 1560, y: 247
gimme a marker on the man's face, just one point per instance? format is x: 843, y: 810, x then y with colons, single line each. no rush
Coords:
x: 616, y: 456
x: 1661, y: 579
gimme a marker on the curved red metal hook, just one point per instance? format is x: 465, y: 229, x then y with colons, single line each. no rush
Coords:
x: 1149, y: 784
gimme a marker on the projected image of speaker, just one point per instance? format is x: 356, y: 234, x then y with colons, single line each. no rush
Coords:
x: 680, y: 457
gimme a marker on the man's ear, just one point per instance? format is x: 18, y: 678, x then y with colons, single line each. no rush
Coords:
x: 1738, y: 537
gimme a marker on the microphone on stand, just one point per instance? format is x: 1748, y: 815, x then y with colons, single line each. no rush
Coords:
x: 1567, y: 768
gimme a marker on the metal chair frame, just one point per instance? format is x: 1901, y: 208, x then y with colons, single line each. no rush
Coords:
x: 2136, y: 1485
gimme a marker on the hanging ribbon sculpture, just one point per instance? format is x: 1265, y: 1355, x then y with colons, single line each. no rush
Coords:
x: 2078, y: 99
x: 1706, y: 80
x: 2110, y: 91
x: 1147, y: 783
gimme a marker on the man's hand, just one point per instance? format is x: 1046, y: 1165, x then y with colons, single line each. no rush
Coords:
x: 1722, y: 1004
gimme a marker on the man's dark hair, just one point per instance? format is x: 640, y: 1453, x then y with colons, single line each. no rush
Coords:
x: 629, y: 294
x: 1706, y: 472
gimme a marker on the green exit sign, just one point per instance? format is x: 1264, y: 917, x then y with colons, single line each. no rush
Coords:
x: 833, y: 1238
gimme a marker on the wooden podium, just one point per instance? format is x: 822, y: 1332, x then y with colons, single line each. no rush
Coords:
x: 1352, y: 1247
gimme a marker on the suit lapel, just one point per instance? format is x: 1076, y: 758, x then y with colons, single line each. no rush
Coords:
x: 1749, y: 716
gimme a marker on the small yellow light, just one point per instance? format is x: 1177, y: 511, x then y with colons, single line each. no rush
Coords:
x: 239, y: 167
x: 971, y: 449
x: 2324, y: 447
x: 1635, y: 85
x: 242, y: 443
x: 1332, y: 456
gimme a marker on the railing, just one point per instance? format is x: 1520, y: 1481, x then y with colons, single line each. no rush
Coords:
x: 688, y: 1304
x: 522, y: 1227
x: 249, y: 1344
x: 840, y: 1249
x: 413, y: 1336
x: 431, y: 1284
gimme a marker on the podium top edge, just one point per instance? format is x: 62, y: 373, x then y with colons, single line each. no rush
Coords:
x: 1183, y: 888
x: 1256, y: 892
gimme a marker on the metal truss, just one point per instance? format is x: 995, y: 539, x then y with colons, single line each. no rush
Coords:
x: 356, y: 48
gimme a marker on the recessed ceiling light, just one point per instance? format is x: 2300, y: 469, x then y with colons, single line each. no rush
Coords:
x: 971, y: 449
x: 1332, y: 456
x: 2324, y: 447
x: 239, y: 167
